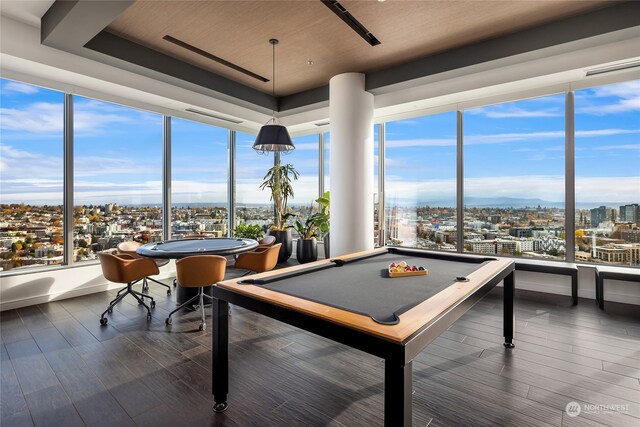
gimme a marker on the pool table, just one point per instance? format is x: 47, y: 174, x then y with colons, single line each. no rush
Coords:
x: 352, y: 300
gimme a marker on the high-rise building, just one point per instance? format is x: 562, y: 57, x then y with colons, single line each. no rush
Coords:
x: 598, y: 215
x: 630, y: 213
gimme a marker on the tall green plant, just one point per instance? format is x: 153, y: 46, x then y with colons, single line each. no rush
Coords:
x: 307, y: 228
x: 322, y: 218
x: 279, y: 180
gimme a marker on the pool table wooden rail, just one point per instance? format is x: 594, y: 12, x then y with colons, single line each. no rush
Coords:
x: 411, y: 321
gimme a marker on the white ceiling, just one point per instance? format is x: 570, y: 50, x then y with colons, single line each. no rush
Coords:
x: 553, y: 69
x: 27, y: 11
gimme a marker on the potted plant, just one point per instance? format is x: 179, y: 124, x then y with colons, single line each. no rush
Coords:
x: 307, y: 245
x: 247, y: 231
x: 322, y: 221
x: 279, y: 180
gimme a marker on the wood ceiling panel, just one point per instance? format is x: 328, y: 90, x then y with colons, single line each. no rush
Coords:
x: 238, y: 31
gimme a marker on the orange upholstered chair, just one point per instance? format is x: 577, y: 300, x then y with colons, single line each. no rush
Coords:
x: 129, y: 248
x: 260, y: 260
x: 126, y: 269
x: 197, y: 272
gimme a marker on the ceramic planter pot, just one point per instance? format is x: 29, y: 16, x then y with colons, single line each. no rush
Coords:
x: 307, y: 250
x: 284, y: 237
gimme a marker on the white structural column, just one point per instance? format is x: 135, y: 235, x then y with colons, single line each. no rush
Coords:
x: 351, y: 118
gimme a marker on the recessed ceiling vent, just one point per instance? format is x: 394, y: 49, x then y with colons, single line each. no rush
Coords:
x: 321, y: 124
x: 214, y: 116
x: 356, y: 25
x: 614, y: 67
x: 212, y: 57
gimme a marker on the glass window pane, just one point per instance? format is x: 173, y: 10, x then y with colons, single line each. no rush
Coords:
x: 327, y: 161
x: 607, y: 122
x: 253, y: 205
x: 421, y: 182
x: 305, y: 161
x: 199, y: 176
x: 117, y: 176
x: 514, y: 178
x: 376, y: 222
x: 31, y: 167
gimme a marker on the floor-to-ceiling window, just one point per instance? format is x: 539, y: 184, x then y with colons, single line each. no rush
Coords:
x: 117, y: 176
x: 31, y: 166
x: 375, y: 195
x: 420, y: 182
x: 514, y: 178
x: 305, y: 161
x: 327, y: 161
x: 199, y: 177
x: 607, y: 162
x: 253, y: 206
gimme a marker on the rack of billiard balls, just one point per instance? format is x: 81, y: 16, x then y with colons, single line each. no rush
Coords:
x: 402, y: 269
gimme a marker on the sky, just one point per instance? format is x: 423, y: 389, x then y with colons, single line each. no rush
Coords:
x: 511, y: 150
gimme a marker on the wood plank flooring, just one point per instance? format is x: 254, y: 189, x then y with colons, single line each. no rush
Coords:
x: 60, y: 368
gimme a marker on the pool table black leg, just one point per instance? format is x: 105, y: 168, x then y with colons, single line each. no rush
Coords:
x: 398, y: 390
x: 509, y: 316
x: 220, y: 375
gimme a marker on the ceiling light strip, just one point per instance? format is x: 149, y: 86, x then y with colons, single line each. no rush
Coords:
x: 356, y: 25
x: 208, y: 55
x: 213, y: 116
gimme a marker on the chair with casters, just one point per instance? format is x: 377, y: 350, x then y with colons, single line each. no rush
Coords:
x: 129, y: 248
x: 199, y: 271
x: 258, y: 261
x: 129, y: 270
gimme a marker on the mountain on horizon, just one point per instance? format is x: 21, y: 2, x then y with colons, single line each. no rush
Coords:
x: 503, y: 202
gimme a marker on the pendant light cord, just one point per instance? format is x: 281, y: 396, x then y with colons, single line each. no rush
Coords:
x: 273, y: 42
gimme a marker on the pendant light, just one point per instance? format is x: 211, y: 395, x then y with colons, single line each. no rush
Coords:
x: 273, y: 137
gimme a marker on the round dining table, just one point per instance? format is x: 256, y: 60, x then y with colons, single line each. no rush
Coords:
x: 181, y: 248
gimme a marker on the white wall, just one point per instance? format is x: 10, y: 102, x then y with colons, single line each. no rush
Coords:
x: 38, y: 287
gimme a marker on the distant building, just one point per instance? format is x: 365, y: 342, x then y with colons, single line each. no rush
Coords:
x: 630, y: 236
x: 520, y: 232
x: 630, y: 213
x: 598, y: 215
x: 524, y: 246
x: 626, y: 254
x: 482, y: 246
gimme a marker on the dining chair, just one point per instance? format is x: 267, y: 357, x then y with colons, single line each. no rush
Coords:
x: 199, y: 271
x: 126, y: 269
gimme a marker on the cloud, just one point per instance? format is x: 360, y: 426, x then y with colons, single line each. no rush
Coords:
x: 426, y: 142
x: 511, y: 111
x: 501, y: 138
x: 16, y: 87
x: 14, y: 162
x: 90, y: 118
x: 626, y: 99
x: 618, y: 147
x: 545, y: 187
x: 38, y: 118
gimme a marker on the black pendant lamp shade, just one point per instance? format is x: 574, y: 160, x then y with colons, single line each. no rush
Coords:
x: 273, y: 137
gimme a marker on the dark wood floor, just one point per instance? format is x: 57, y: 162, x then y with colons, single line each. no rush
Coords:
x: 60, y: 368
